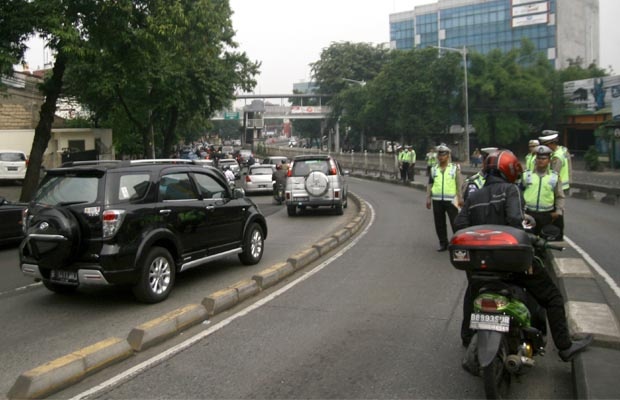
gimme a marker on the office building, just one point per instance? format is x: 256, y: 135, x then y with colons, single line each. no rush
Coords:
x: 561, y: 29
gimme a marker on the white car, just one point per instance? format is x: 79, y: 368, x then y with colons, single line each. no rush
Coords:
x: 258, y: 179
x: 13, y: 164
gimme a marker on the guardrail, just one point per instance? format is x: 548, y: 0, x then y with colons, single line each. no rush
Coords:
x: 385, y: 166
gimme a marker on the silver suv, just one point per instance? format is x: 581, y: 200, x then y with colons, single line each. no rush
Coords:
x: 315, y: 181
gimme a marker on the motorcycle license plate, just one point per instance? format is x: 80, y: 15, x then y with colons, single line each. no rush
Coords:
x: 490, y: 322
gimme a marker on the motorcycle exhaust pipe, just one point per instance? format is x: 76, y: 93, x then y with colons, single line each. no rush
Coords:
x: 516, y: 364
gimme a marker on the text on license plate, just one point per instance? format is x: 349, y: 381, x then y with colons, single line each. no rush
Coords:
x: 58, y: 275
x: 301, y: 198
x: 491, y: 322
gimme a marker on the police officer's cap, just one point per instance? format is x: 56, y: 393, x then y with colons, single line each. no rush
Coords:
x: 488, y: 150
x: 533, y: 142
x: 548, y: 137
x: 442, y: 148
x: 543, y: 150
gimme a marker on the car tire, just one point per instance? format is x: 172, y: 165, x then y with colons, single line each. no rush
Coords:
x: 339, y: 210
x: 253, y: 245
x: 291, y: 210
x: 316, y: 183
x: 157, y: 276
x: 58, y: 288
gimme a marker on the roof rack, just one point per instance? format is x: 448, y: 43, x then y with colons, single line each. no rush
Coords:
x: 89, y: 162
x: 163, y: 161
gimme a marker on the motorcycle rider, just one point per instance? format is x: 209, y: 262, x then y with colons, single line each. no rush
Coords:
x: 279, y: 178
x: 499, y: 202
x: 230, y: 176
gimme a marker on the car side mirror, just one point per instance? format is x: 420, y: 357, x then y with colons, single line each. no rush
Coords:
x: 238, y: 193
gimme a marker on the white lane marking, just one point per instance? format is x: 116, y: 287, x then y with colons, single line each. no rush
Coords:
x: 137, y: 369
x: 19, y: 289
x: 608, y: 279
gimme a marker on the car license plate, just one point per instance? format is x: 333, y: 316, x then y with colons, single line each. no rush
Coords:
x: 490, y: 322
x: 301, y: 198
x: 262, y: 186
x: 11, y: 168
x: 58, y: 275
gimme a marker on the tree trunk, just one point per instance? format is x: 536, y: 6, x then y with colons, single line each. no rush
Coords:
x: 43, y: 132
x: 170, y: 132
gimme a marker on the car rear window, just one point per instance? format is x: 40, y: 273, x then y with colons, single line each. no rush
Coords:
x: 12, y: 156
x: 261, y: 171
x: 304, y: 167
x: 68, y: 189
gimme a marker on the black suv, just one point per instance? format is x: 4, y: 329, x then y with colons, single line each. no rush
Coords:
x: 135, y: 223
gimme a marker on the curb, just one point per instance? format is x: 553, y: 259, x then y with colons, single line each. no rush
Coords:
x: 595, y: 369
x: 65, y: 371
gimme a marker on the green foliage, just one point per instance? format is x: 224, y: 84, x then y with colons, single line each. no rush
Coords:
x: 15, y: 28
x: 591, y: 159
x: 511, y: 94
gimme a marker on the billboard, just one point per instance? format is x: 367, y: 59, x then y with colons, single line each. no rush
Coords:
x: 535, y: 8
x: 596, y: 95
x: 530, y: 20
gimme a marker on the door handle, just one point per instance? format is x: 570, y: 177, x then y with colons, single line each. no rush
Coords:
x: 165, y: 212
x: 210, y: 208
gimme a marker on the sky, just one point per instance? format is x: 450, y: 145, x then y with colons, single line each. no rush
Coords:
x: 286, y: 36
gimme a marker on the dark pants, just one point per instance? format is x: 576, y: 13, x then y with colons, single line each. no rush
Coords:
x: 412, y: 172
x: 440, y: 209
x: 404, y: 171
x: 544, y: 291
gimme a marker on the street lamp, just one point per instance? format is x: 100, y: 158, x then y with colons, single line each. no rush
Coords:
x: 337, y: 144
x: 463, y: 52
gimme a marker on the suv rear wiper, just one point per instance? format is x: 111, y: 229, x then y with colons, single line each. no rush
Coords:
x: 70, y: 203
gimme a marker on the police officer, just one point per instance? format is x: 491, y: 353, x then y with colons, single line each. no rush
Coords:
x: 560, y: 158
x: 404, y: 161
x: 412, y: 160
x: 542, y: 192
x: 431, y: 160
x: 443, y: 189
x: 530, y: 158
x: 476, y: 181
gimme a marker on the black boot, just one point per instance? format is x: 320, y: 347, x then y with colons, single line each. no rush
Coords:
x: 575, y: 347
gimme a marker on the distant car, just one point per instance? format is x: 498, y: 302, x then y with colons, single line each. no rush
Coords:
x: 232, y: 163
x: 244, y: 156
x: 316, y: 181
x: 275, y: 160
x: 258, y: 179
x: 205, y: 162
x: 228, y: 151
x: 13, y: 164
x: 11, y: 227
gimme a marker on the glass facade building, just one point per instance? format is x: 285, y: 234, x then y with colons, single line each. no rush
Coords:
x: 561, y: 29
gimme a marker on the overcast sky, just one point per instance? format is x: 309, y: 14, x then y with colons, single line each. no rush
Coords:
x: 286, y: 36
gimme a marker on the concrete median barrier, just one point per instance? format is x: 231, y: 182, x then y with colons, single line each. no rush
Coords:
x: 67, y: 370
x: 159, y: 329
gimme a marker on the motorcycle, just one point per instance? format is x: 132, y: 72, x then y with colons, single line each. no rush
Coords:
x: 278, y: 193
x: 510, y: 327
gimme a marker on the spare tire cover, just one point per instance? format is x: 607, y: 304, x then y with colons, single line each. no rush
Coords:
x: 57, y: 236
x: 316, y: 183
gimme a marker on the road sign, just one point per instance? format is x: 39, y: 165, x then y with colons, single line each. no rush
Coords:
x: 231, y: 115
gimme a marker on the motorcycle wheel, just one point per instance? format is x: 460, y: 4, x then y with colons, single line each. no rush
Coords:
x: 496, y: 378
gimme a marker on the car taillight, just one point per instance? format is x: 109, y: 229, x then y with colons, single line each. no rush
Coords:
x: 490, y: 303
x: 112, y: 220
x: 247, y: 178
x: 27, y: 162
x: 332, y: 168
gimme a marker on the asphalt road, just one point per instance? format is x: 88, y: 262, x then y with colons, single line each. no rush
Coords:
x: 381, y: 320
x: 39, y: 326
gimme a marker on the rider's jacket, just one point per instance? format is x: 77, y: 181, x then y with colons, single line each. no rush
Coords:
x: 498, y: 202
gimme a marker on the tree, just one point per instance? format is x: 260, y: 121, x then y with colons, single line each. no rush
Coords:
x: 183, y: 51
x: 15, y: 28
x: 510, y: 95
